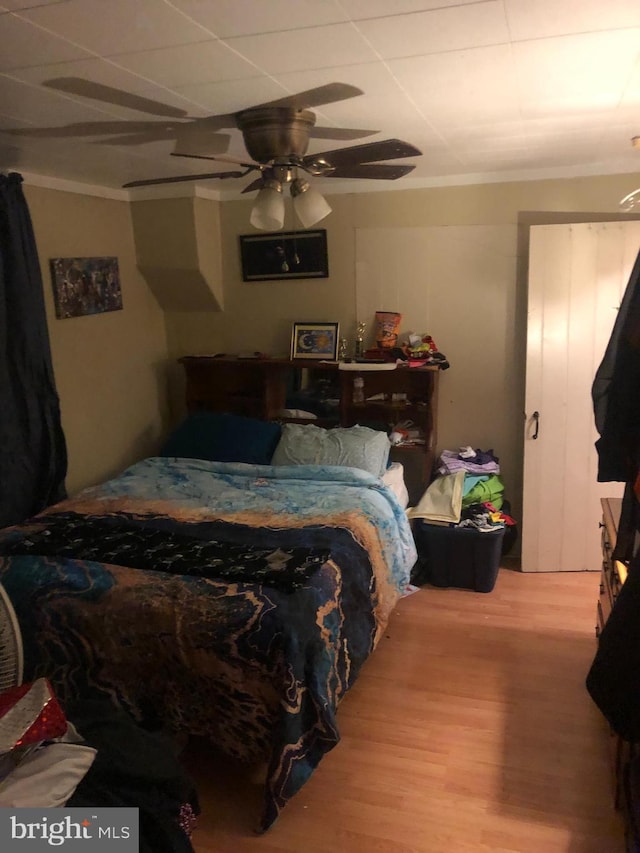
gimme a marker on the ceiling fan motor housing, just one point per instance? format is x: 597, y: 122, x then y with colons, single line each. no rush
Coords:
x: 272, y: 133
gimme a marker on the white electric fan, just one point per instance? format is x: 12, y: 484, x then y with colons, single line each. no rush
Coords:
x: 11, y: 652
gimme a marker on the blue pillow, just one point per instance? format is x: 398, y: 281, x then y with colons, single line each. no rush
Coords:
x: 222, y: 437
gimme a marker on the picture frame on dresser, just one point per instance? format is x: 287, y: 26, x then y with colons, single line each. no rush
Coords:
x: 315, y: 341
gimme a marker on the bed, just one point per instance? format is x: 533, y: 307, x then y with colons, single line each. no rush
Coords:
x: 232, y: 600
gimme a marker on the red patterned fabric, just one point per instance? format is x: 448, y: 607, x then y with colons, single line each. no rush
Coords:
x: 30, y: 713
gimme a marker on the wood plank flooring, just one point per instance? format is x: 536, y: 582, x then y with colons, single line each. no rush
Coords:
x: 468, y: 730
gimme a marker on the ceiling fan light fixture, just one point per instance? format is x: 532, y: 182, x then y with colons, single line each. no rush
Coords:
x: 267, y: 213
x: 631, y: 201
x: 310, y: 206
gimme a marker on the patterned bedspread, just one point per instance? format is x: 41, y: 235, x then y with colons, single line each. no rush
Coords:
x: 233, y: 601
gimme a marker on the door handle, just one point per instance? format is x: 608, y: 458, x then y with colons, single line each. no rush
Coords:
x: 536, y: 418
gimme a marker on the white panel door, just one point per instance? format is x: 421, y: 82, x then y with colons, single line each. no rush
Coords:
x: 577, y: 276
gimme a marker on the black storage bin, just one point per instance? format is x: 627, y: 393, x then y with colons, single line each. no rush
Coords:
x: 463, y: 557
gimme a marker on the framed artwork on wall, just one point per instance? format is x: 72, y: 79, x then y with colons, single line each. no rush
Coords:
x: 315, y: 341
x: 284, y: 254
x: 85, y: 286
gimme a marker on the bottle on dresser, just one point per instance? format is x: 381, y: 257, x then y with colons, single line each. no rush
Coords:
x: 358, y: 390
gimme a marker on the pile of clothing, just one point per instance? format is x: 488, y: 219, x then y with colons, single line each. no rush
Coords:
x: 468, y: 492
x: 418, y: 351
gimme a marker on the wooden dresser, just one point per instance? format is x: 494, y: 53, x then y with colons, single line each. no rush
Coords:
x: 614, y: 574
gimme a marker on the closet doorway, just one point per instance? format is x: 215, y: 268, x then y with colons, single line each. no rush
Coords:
x: 577, y: 276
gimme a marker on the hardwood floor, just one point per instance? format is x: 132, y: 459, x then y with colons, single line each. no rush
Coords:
x: 468, y: 730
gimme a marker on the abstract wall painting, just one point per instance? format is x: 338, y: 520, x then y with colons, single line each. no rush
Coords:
x: 85, y: 286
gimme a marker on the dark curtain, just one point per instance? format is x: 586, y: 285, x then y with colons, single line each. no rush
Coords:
x: 33, y: 456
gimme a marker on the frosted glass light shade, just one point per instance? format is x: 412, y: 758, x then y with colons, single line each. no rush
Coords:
x: 268, y: 211
x: 310, y: 207
x: 631, y: 201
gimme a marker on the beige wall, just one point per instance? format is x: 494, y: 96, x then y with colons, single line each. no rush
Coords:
x: 178, y: 252
x: 258, y: 315
x: 110, y: 368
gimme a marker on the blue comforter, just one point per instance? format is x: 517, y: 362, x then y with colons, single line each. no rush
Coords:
x: 228, y: 600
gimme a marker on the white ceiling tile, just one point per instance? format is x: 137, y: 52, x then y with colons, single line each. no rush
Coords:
x: 381, y: 93
x: 575, y: 73
x: 456, y: 89
x: 228, y: 18
x: 205, y: 62
x: 437, y: 31
x: 543, y: 18
x: 8, y: 121
x: 107, y: 73
x: 298, y: 50
x: 497, y: 158
x: 624, y: 114
x: 361, y: 9
x: 233, y: 95
x: 576, y: 131
x: 618, y: 139
x: 24, y: 44
x: 393, y: 116
x: 477, y: 133
x: 16, y: 5
x: 40, y: 107
x: 117, y: 26
x: 631, y: 95
x: 372, y: 78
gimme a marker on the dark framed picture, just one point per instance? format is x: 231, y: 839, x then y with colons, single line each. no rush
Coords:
x: 85, y: 286
x: 284, y: 254
x: 315, y: 341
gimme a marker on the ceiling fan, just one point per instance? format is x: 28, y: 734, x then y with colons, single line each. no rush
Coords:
x: 632, y: 200
x: 276, y: 136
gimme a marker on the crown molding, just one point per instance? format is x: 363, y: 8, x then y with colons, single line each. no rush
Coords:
x: 186, y: 190
x: 159, y: 191
x: 335, y: 187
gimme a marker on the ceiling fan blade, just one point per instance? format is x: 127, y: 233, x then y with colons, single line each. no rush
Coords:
x: 377, y: 171
x: 339, y: 133
x: 109, y: 95
x: 180, y: 178
x: 247, y: 162
x: 330, y: 93
x: 96, y: 128
x: 254, y: 185
x: 385, y: 149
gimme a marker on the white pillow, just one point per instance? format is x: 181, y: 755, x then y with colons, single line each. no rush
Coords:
x: 354, y: 447
x: 393, y: 477
x: 48, y: 777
